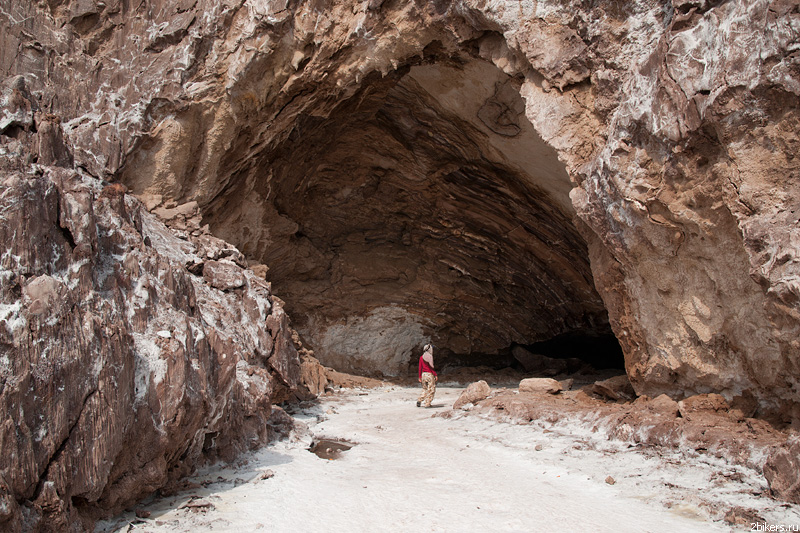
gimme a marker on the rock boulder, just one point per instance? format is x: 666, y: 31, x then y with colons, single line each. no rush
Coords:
x: 782, y: 471
x: 616, y: 388
x: 539, y: 385
x: 474, y: 393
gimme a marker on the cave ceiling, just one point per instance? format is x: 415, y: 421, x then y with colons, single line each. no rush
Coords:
x: 426, y: 206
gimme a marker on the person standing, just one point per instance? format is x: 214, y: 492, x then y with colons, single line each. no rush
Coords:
x: 427, y: 376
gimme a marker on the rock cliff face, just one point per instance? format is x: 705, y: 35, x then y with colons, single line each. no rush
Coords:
x: 121, y: 370
x: 478, y: 173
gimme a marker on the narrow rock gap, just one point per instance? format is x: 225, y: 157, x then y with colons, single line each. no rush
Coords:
x: 60, y: 450
x: 65, y: 231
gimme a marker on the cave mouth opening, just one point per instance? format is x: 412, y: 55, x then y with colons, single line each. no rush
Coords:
x: 425, y: 207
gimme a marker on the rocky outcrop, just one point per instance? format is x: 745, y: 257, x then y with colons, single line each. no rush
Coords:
x: 474, y: 393
x: 478, y: 174
x: 781, y: 471
x: 120, y: 370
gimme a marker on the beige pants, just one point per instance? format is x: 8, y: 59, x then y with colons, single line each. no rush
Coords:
x: 428, y: 389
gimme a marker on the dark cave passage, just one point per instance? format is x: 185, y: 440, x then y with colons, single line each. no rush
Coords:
x: 563, y: 354
x: 598, y: 351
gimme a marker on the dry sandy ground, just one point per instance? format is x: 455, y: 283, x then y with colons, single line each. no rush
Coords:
x: 412, y: 471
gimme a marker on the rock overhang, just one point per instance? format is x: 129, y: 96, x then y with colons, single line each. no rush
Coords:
x: 425, y: 203
x: 681, y: 151
x: 667, y: 175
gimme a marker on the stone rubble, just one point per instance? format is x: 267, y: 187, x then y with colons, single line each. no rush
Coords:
x: 474, y: 393
x: 699, y: 424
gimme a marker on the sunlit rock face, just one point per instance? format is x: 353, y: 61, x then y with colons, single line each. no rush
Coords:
x: 480, y: 174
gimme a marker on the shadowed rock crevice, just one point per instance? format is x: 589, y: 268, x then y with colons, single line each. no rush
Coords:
x: 425, y: 206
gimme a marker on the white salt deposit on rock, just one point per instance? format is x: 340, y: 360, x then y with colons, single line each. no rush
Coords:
x: 406, y: 459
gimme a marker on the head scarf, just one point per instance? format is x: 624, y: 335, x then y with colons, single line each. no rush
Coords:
x: 428, y: 355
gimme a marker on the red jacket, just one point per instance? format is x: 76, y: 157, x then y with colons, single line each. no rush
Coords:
x: 425, y: 367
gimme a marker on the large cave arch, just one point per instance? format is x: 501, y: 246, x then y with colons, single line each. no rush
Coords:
x: 256, y: 125
x: 425, y: 206
x: 407, y: 171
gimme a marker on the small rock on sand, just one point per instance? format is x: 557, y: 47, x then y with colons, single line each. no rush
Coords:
x: 476, y: 392
x: 535, y: 385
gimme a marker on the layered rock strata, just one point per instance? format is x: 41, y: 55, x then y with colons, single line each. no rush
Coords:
x: 120, y: 370
x: 410, y: 213
x: 463, y: 171
x: 417, y: 219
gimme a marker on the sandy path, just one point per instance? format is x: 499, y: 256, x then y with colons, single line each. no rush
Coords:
x: 414, y: 472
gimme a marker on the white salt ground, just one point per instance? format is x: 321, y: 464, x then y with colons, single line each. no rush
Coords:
x: 410, y: 471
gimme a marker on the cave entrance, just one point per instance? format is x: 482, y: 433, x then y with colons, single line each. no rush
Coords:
x: 585, y: 352
x: 424, y: 207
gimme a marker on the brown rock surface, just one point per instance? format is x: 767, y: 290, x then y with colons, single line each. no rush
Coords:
x: 701, y: 403
x: 616, y: 388
x: 120, y: 371
x: 474, y: 393
x: 481, y: 175
x: 664, y: 404
x: 457, y: 172
x: 223, y: 275
x: 537, y: 385
x: 782, y: 471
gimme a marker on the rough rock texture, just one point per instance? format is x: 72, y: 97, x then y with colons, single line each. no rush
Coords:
x: 413, y: 170
x: 475, y: 392
x: 537, y: 385
x: 120, y: 371
x: 702, y: 403
x: 481, y: 174
x: 616, y: 388
x: 782, y: 471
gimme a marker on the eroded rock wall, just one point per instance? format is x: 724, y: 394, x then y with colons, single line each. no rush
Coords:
x: 671, y: 129
x: 692, y: 203
x: 674, y: 122
x: 120, y: 370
